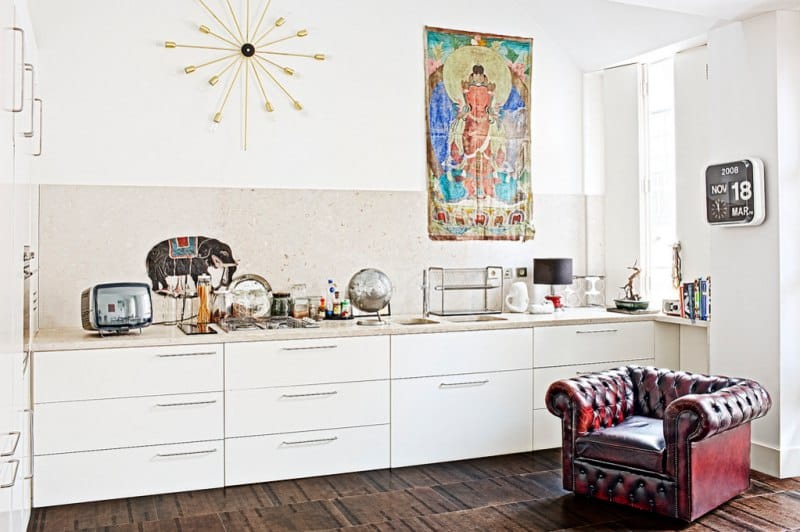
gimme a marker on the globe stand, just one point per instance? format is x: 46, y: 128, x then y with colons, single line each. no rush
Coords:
x: 373, y: 323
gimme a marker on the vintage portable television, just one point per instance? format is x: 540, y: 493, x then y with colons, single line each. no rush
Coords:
x: 116, y: 307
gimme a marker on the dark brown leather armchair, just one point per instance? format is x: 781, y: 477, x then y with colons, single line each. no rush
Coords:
x: 669, y: 442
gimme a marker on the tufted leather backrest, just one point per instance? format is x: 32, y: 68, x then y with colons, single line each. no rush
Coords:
x: 654, y: 389
x: 608, y: 397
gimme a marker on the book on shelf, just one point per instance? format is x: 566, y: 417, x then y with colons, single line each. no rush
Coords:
x: 695, y: 299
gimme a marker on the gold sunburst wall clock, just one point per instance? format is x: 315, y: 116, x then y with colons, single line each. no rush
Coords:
x: 247, y: 55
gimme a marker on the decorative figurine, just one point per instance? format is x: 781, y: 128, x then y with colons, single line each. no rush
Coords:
x: 630, y: 295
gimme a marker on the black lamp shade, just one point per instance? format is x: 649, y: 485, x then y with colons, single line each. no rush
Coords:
x: 552, y: 271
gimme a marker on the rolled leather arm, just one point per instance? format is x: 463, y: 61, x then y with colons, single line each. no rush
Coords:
x: 564, y: 397
x: 599, y: 399
x: 694, y: 417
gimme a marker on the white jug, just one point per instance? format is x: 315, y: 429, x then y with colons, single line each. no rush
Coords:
x: 517, y: 298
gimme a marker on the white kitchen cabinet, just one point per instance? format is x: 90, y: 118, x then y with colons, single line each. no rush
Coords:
x: 296, y: 408
x: 127, y: 422
x: 436, y: 419
x: 17, y: 47
x: 129, y: 472
x: 417, y: 355
x: 461, y: 395
x: 566, y: 351
x: 306, y: 454
x: 127, y: 372
x: 584, y: 344
x: 296, y: 362
x: 301, y: 408
x: 115, y: 423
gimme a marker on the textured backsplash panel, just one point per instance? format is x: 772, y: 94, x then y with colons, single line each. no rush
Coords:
x: 92, y: 234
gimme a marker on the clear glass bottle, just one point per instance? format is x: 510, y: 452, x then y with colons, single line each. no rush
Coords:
x: 203, y: 299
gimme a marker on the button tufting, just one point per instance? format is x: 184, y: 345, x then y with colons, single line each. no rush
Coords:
x: 661, y: 489
x: 631, y: 497
x: 641, y: 483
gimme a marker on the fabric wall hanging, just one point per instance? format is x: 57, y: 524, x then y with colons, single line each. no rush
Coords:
x: 478, y: 93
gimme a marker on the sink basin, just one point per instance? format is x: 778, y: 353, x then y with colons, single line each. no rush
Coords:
x: 417, y: 321
x: 461, y: 319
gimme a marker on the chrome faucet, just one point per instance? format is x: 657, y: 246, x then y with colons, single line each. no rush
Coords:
x: 426, y: 311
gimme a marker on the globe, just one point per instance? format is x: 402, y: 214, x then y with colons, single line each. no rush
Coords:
x: 370, y: 290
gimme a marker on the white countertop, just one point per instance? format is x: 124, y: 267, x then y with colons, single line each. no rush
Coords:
x: 160, y: 335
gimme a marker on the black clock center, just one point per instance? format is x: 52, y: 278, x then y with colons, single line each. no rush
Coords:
x: 248, y: 50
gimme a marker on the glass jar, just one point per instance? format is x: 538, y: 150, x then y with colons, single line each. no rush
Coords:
x: 220, y: 306
x: 301, y: 307
x: 203, y: 299
x: 281, y: 303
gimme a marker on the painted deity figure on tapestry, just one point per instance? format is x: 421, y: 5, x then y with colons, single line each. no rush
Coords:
x: 478, y: 110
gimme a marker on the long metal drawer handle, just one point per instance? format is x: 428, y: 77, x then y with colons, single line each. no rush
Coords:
x: 13, y: 450
x: 27, y: 67
x: 22, y: 74
x: 303, y: 442
x: 318, y: 394
x: 204, y: 354
x: 38, y: 151
x: 190, y: 403
x: 466, y: 383
x: 309, y: 347
x: 14, y: 478
x: 188, y: 453
x: 598, y: 331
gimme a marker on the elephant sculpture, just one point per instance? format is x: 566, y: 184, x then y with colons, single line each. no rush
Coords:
x: 189, y: 256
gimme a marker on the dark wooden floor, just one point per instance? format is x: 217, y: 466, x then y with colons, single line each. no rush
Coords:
x: 517, y: 492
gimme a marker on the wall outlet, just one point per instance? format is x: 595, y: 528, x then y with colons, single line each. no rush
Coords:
x: 507, y: 273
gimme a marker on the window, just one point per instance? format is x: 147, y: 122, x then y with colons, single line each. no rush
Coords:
x: 658, y: 232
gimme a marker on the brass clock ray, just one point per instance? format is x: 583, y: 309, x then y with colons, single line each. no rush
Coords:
x: 247, y: 54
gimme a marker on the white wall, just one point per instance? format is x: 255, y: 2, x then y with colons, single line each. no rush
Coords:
x: 788, y: 97
x: 622, y: 112
x: 120, y: 110
x: 692, y: 145
x: 754, y: 83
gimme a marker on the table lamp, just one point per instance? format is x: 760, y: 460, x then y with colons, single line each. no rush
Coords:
x: 553, y: 272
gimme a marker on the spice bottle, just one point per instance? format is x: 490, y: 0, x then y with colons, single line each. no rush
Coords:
x: 337, y: 305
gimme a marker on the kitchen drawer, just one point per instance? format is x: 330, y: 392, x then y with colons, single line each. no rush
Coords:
x: 544, y: 377
x: 419, y: 355
x: 567, y: 345
x: 129, y: 372
x: 437, y: 419
x: 296, y: 362
x: 296, y: 408
x: 546, y: 430
x: 113, y: 423
x: 113, y: 474
x: 306, y: 454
